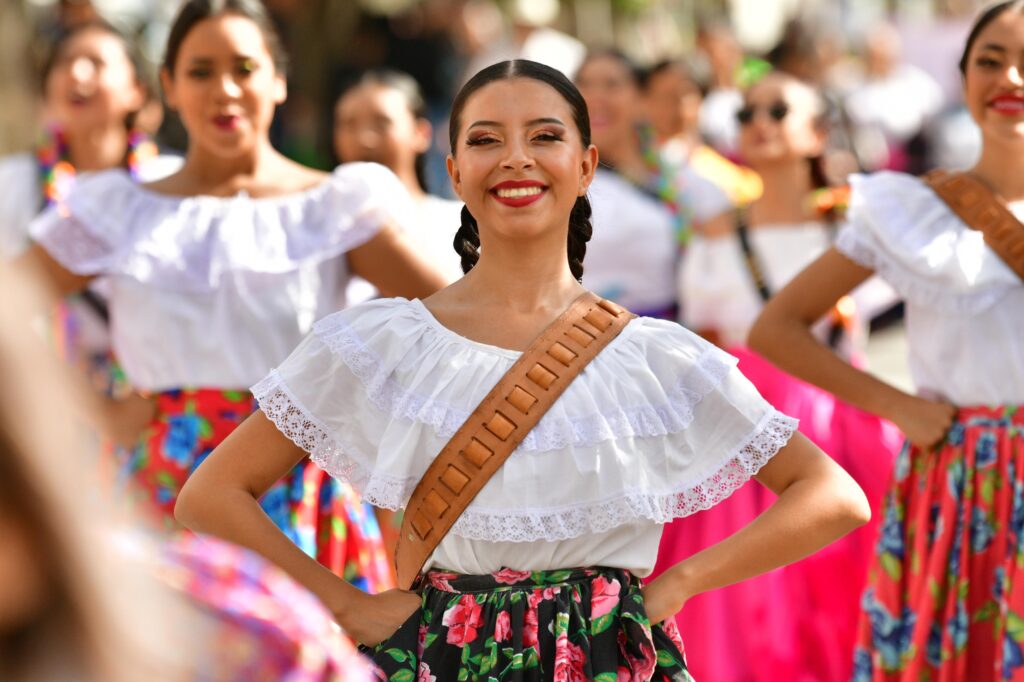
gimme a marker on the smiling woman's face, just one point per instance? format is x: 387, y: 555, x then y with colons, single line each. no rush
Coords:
x: 994, y: 79
x: 519, y: 162
x: 92, y: 83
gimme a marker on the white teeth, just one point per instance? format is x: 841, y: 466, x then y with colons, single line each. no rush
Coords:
x: 518, y: 192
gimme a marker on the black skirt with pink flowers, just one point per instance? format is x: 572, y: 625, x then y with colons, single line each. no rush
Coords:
x: 555, y: 626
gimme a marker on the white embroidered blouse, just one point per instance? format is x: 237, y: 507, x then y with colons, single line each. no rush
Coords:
x: 659, y: 426
x: 965, y: 306
x: 209, y: 291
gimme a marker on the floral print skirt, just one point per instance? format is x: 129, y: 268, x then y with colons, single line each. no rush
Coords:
x: 556, y: 626
x: 321, y: 515
x: 945, y: 594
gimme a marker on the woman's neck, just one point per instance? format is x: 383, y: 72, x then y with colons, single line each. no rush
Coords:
x: 218, y: 175
x: 412, y: 183
x: 1001, y: 167
x: 524, y: 277
x: 784, y: 199
x: 97, y: 149
x: 623, y: 154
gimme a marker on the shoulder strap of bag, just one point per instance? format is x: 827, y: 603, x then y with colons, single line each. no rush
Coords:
x: 750, y: 258
x: 982, y: 209
x: 499, y: 424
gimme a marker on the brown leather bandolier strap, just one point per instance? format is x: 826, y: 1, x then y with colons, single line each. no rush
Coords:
x: 499, y: 424
x: 983, y: 210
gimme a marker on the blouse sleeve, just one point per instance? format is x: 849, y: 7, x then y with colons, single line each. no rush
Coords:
x: 80, y: 233
x: 902, y: 230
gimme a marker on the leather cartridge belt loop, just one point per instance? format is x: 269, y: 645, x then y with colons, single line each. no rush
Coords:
x: 982, y: 209
x: 498, y: 425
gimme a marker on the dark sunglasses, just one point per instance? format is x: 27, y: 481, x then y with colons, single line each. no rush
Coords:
x: 776, y: 111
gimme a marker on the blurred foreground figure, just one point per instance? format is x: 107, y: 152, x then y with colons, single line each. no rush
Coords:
x: 83, y: 598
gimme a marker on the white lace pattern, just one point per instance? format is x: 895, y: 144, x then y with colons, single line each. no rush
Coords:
x: 554, y: 432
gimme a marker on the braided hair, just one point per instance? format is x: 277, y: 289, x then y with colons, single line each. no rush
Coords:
x: 467, y: 239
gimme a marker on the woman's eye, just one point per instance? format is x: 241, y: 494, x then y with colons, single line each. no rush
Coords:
x: 199, y: 73
x: 548, y: 137
x: 986, y: 62
x: 477, y: 141
x: 247, y: 67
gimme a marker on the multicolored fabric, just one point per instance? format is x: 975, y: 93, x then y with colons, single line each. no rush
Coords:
x: 557, y: 626
x: 321, y: 515
x: 944, y: 599
x: 265, y: 625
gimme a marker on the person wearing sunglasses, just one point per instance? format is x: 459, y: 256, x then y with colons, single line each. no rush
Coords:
x: 727, y: 274
x: 943, y: 599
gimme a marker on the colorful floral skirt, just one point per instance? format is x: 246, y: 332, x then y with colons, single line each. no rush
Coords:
x: 321, y: 515
x: 797, y: 623
x: 945, y: 594
x: 556, y: 626
x: 256, y: 623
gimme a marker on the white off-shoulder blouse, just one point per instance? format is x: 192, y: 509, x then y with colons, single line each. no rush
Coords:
x: 965, y: 306
x: 210, y: 291
x: 659, y: 426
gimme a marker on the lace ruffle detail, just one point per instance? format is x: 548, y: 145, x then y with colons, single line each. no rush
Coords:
x: 509, y: 525
x: 338, y: 459
x: 767, y: 439
x: 930, y: 294
x: 76, y: 247
x: 554, y: 432
x: 110, y: 225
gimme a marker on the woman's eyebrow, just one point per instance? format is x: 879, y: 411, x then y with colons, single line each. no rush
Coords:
x: 496, y: 124
x: 993, y: 46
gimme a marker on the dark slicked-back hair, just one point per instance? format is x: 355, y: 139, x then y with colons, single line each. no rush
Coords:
x: 194, y: 11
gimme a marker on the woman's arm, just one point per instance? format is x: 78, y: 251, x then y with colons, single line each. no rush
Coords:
x: 782, y: 334
x: 390, y: 263
x: 818, y: 503
x: 119, y: 421
x: 37, y: 263
x: 220, y: 499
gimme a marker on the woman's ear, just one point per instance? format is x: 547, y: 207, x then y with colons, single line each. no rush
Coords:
x: 453, y: 174
x: 422, y: 136
x: 167, y: 85
x: 587, y: 168
x: 280, y: 89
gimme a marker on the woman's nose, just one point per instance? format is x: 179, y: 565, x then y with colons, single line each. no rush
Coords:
x: 82, y: 69
x: 518, y: 156
x: 228, y: 86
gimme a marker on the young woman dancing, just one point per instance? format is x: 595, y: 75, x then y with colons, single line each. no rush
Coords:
x: 943, y: 600
x: 540, y: 576
x: 725, y: 279
x: 217, y: 270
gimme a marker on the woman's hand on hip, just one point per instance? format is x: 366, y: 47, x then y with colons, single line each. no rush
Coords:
x: 924, y: 422
x: 372, y: 618
x: 125, y: 419
x: 664, y: 596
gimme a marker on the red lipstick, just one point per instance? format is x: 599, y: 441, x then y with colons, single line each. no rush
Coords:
x: 226, y: 121
x: 518, y: 193
x: 1008, y: 104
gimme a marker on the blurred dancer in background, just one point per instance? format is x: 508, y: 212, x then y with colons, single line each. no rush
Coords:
x: 217, y: 270
x: 93, y: 93
x: 644, y: 207
x: 944, y: 600
x: 726, y: 278
x: 382, y: 118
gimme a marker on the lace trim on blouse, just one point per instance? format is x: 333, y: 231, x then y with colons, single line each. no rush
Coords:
x: 342, y: 461
x: 554, y: 432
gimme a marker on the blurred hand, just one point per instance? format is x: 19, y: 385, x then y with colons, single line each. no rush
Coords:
x: 664, y: 597
x: 372, y: 618
x: 125, y: 419
x: 924, y: 422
